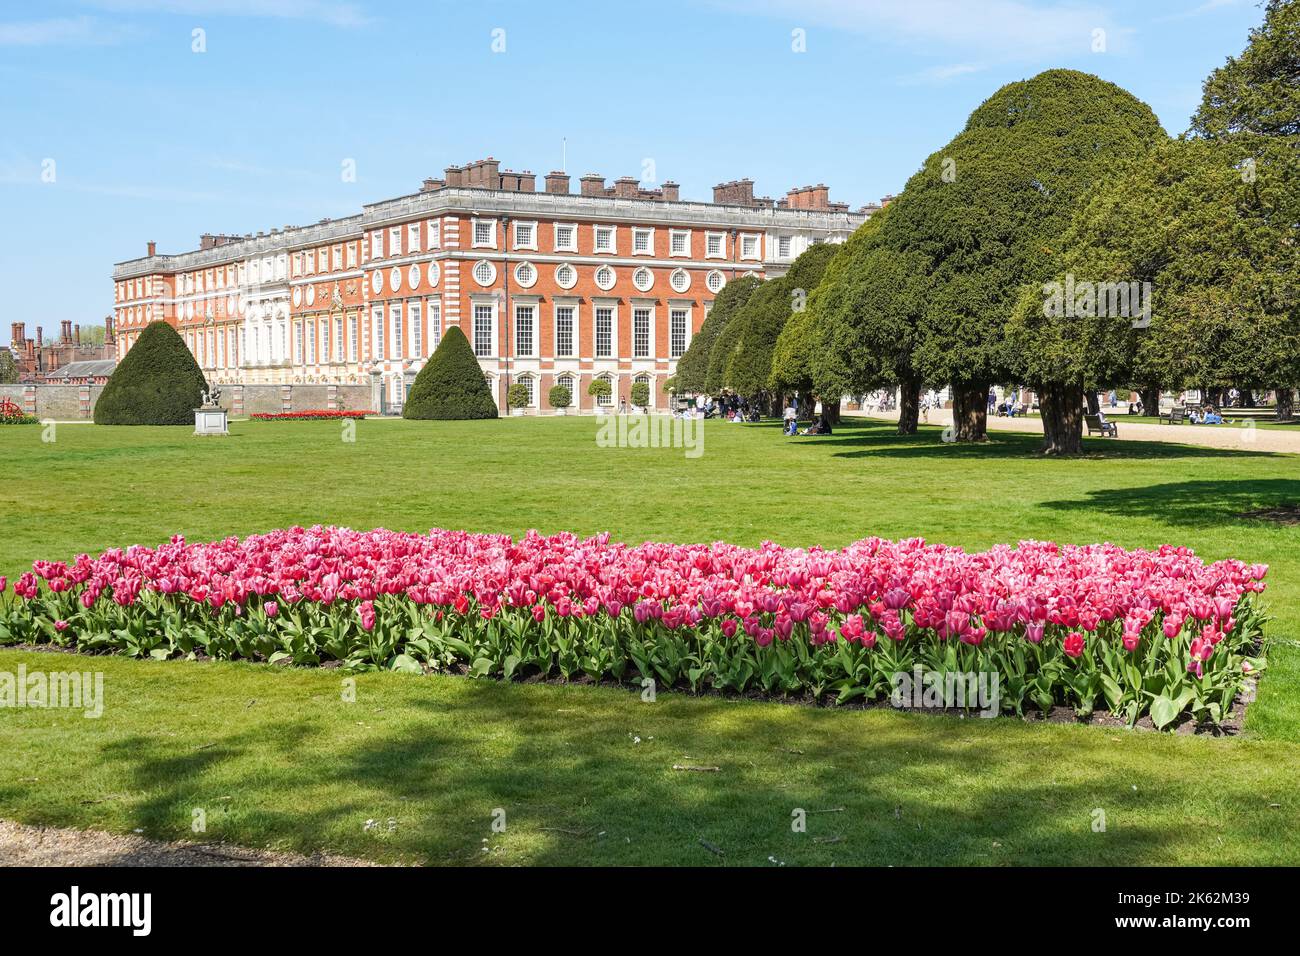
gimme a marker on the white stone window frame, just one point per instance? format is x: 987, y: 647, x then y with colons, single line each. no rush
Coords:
x: 433, y: 234
x: 650, y: 305
x: 613, y: 274
x: 394, y: 241
x: 680, y: 305
x: 574, y: 379
x: 607, y: 400
x: 646, y: 271
x: 573, y: 270
x: 476, y: 300
x: 492, y: 273
x: 611, y: 304
x: 596, y: 230
x: 555, y: 236
x: 757, y: 239
x: 789, y: 241
x: 722, y: 281
x: 647, y: 231
x: 684, y: 286
x: 413, y: 243
x: 519, y: 279
x: 534, y: 393
x: 491, y: 242
x: 531, y: 244
x: 722, y: 251
x: 686, y: 250
x: 566, y: 302
x: 533, y: 302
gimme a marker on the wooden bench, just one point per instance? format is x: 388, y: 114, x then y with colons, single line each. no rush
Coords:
x: 1097, y: 426
x: 1177, y: 415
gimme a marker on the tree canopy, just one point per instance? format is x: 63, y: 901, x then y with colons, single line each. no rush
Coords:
x: 1259, y: 91
x: 693, y: 367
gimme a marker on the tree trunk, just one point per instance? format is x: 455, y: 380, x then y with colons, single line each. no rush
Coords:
x: 1094, y: 403
x: 1062, y: 411
x: 909, y: 407
x: 806, y: 406
x: 831, y: 409
x: 970, y: 412
x: 1285, y: 404
x: 1151, y: 400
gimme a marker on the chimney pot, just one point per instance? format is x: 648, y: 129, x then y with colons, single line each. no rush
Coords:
x: 152, y: 247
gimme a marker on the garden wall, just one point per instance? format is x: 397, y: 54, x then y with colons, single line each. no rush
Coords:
x: 69, y: 403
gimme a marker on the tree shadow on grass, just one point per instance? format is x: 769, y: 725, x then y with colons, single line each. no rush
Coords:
x: 1190, y: 503
x: 577, y: 788
x: 881, y: 441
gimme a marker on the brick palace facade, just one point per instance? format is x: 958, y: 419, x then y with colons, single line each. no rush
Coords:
x: 547, y: 285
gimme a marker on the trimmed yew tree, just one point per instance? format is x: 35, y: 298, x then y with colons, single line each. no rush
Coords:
x: 157, y: 383
x: 864, y: 317
x: 986, y: 210
x: 451, y: 385
x: 693, y: 367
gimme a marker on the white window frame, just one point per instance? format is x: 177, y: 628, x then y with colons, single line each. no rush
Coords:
x: 353, y: 323
x: 433, y: 315
x: 572, y: 268
x: 556, y: 305
x: 413, y: 237
x: 336, y: 258
x: 352, y: 255
x: 398, y: 330
x: 757, y: 240
x: 474, y: 224
x: 649, y: 233
x: 613, y: 281
x: 415, y: 319
x: 686, y: 344
x: 433, y: 234
x: 531, y: 282
x: 514, y: 239
x: 650, y: 283
x: 489, y: 302
x: 709, y: 276
x: 648, y: 306
x: 596, y: 231
x: 722, y: 253
x: 612, y: 305
x: 572, y: 246
x: 394, y: 241
x: 473, y: 272
x: 672, y: 280
x: 607, y: 400
x: 378, y: 334
x: 533, y: 308
x: 534, y: 387
x: 788, y: 242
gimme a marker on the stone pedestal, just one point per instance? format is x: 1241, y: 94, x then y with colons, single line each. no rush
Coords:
x: 210, y: 421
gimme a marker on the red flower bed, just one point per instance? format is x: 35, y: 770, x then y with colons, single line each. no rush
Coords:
x: 312, y: 414
x: 1158, y: 632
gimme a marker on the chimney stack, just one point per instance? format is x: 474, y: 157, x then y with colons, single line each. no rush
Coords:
x: 671, y: 190
x: 18, y: 334
x: 152, y: 247
x: 76, y: 335
x: 65, y: 328
x: 31, y: 349
x: 430, y: 184
x: 40, y: 337
x: 108, y: 328
x: 557, y: 183
x: 625, y: 187
x: 738, y: 192
x: 592, y: 184
x: 455, y: 175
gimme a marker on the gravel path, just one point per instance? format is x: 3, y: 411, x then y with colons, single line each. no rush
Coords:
x: 1234, y: 437
x: 22, y: 845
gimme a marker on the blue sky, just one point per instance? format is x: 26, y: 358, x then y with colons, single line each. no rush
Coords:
x: 144, y: 138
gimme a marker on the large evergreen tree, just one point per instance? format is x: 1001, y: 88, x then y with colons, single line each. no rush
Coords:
x: 1258, y: 92
x: 157, y: 383
x: 8, y: 367
x: 983, y: 211
x: 451, y: 384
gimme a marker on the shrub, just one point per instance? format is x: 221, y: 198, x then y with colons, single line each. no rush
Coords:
x: 1157, y: 633
x: 158, y: 383
x: 600, y: 388
x: 640, y: 394
x: 8, y: 367
x: 451, y: 384
x: 517, y: 395
x: 560, y: 396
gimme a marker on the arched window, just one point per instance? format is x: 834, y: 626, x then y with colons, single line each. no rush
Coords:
x: 607, y: 398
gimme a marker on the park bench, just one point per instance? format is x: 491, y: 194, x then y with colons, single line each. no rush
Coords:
x: 1177, y: 415
x: 1097, y: 426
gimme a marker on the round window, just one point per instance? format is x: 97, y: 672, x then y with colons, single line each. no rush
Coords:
x: 716, y: 281
x: 376, y: 282
x: 566, y: 277
x: 485, y: 273
x: 413, y: 277
x: 525, y: 274
x: 395, y: 277
x: 605, y: 277
x: 643, y: 279
x: 681, y: 280
x: 433, y: 272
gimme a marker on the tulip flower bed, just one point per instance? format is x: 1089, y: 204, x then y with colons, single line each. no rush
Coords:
x: 1156, y: 633
x: 308, y: 415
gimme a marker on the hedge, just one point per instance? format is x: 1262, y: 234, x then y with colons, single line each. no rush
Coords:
x: 158, y: 383
x: 451, y: 384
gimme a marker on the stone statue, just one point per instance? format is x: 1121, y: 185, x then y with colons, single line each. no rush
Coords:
x: 212, y: 398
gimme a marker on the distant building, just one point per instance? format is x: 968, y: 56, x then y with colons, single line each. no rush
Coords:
x: 93, y: 372
x: 38, y: 359
x: 550, y: 287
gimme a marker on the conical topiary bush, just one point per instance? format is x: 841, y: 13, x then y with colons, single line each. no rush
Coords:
x: 158, y: 383
x: 451, y: 384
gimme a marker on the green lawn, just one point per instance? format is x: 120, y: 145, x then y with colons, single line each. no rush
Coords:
x: 276, y: 757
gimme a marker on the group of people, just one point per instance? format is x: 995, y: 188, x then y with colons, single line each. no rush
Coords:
x: 821, y: 425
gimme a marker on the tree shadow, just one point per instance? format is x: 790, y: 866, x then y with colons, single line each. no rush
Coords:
x: 576, y: 789
x: 1190, y: 503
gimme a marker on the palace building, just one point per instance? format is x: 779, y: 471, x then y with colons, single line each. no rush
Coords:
x: 549, y: 287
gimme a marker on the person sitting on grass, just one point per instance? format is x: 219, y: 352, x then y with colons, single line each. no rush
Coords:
x: 791, y: 420
x: 820, y: 427
x: 1212, y: 417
